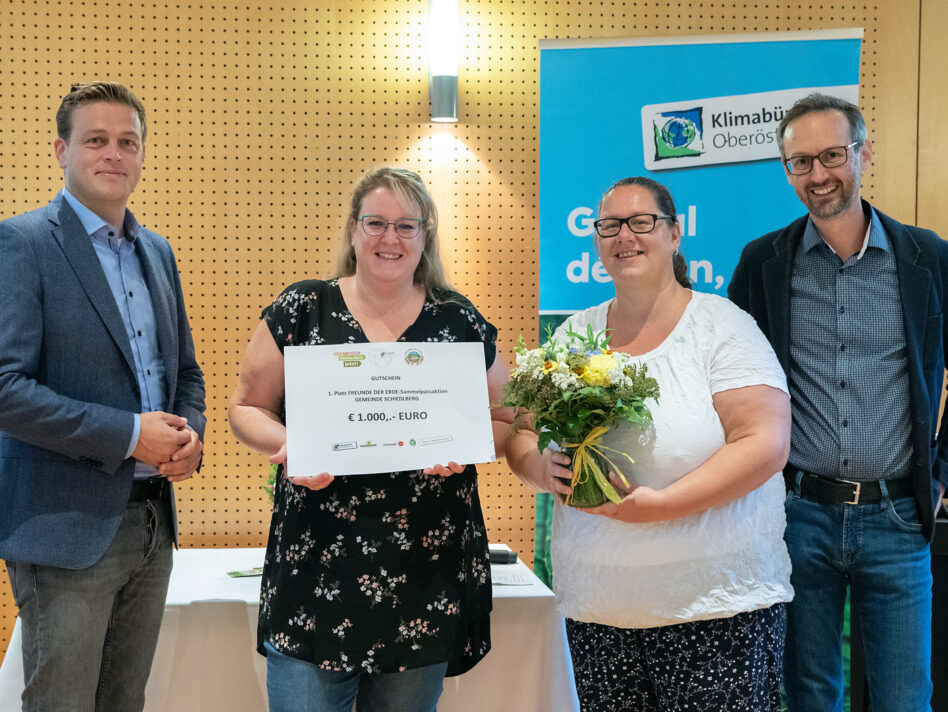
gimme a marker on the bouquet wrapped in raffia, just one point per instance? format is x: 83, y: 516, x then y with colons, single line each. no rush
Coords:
x: 575, y: 393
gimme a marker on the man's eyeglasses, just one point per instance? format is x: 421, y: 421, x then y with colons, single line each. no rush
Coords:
x: 404, y: 227
x: 830, y: 158
x: 643, y: 222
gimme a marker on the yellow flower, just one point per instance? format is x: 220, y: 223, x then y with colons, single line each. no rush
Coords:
x: 548, y: 366
x: 596, y: 370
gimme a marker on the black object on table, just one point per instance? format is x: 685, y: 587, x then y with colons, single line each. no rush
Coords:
x: 502, y: 555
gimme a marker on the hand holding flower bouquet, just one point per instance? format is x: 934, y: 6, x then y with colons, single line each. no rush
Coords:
x: 576, y: 392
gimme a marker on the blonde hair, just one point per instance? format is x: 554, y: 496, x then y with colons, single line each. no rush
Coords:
x: 410, y: 191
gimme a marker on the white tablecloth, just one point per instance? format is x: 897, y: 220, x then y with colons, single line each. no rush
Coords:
x: 206, y: 659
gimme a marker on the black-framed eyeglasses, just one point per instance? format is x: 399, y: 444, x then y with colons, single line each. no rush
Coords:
x: 375, y: 225
x: 643, y: 222
x: 830, y: 158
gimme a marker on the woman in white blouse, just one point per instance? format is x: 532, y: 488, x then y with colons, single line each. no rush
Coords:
x: 674, y: 598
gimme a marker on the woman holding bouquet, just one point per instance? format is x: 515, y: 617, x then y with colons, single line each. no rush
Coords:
x: 674, y: 596
x: 374, y: 587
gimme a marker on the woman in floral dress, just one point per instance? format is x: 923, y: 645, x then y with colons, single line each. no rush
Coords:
x: 374, y: 587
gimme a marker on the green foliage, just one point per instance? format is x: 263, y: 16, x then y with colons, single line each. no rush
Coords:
x: 271, y: 480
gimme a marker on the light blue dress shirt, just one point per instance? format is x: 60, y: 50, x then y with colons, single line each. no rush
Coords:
x: 123, y: 271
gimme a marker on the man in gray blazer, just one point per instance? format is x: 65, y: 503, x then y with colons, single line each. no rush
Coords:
x: 101, y: 408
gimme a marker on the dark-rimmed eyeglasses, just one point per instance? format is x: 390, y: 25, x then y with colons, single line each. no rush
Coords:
x: 643, y: 222
x: 375, y: 225
x: 830, y: 158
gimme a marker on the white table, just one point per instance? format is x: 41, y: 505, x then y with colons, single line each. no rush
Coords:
x: 206, y: 657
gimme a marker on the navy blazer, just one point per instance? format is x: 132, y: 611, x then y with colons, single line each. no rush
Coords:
x: 761, y: 286
x: 68, y: 390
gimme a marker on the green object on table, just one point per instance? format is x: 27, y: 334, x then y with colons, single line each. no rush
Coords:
x: 542, y: 566
x: 245, y: 573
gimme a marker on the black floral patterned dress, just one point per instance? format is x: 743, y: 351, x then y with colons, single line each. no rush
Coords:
x: 377, y: 573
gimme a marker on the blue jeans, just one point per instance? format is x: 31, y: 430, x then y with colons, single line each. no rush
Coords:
x: 295, y: 685
x: 879, y: 551
x: 89, y: 635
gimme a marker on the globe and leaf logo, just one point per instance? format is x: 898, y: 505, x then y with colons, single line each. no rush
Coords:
x: 678, y: 133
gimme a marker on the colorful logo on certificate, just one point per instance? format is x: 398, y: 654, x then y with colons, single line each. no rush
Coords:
x: 349, y: 359
x: 380, y: 358
x: 414, y: 357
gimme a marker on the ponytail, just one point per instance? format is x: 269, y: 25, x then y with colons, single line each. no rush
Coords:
x: 681, y: 270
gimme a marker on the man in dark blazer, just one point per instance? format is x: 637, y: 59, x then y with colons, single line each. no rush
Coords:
x: 101, y: 408
x: 853, y: 302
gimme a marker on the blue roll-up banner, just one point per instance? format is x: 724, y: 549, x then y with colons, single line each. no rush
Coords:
x: 698, y: 114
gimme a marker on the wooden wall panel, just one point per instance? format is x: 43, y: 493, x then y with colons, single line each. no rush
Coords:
x: 932, y: 110
x: 263, y: 115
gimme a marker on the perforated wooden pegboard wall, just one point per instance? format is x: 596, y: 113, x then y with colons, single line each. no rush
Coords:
x: 263, y: 115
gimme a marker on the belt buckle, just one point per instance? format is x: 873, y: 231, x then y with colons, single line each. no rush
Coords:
x: 153, y: 488
x: 858, y: 486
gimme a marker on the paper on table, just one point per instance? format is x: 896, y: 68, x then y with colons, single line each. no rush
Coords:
x: 501, y: 575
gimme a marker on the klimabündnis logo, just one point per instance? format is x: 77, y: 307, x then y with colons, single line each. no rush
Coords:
x: 678, y: 133
x: 705, y: 131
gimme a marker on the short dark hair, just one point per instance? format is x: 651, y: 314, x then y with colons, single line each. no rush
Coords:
x: 95, y: 91
x: 665, y: 203
x: 824, y: 102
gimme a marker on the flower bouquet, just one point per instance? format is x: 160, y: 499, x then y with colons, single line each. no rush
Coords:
x: 576, y: 392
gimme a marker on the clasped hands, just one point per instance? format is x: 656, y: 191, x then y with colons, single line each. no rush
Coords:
x: 639, y: 503
x: 166, y: 441
x: 323, y: 479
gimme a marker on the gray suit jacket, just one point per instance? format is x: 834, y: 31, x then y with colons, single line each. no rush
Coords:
x: 68, y: 391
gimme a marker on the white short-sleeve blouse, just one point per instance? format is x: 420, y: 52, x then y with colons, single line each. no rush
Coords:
x: 713, y: 564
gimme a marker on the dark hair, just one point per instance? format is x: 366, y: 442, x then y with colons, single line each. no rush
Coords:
x: 95, y: 91
x: 824, y: 102
x: 666, y: 205
x: 410, y: 191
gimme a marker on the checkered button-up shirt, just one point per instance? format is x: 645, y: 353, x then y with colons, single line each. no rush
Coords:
x: 848, y: 376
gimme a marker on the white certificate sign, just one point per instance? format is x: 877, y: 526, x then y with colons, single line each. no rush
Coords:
x: 355, y: 409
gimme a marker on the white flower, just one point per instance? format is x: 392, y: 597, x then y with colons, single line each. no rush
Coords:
x: 565, y: 380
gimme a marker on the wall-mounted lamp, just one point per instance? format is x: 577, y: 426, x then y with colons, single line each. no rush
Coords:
x: 443, y: 59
